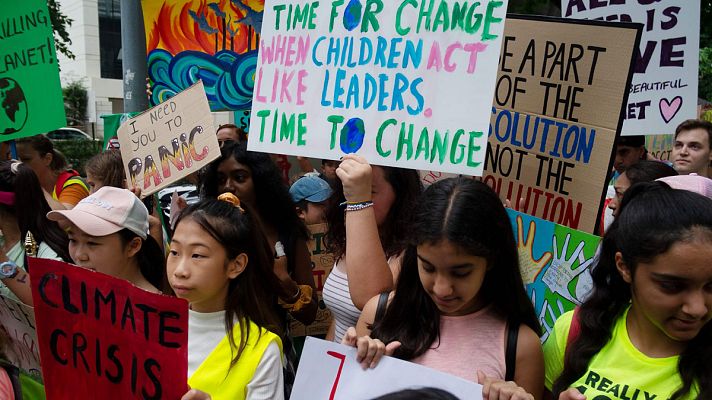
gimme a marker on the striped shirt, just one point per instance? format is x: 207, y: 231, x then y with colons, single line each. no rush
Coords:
x: 337, y: 297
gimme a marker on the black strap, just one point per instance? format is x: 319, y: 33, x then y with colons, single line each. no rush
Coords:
x: 510, y: 353
x: 381, y: 307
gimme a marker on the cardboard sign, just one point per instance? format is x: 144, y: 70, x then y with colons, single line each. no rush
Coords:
x: 329, y: 371
x: 321, y: 264
x: 216, y: 41
x: 18, y: 326
x: 30, y: 92
x: 112, y: 338
x: 664, y: 88
x: 405, y: 83
x: 555, y: 262
x: 561, y: 86
x: 169, y: 142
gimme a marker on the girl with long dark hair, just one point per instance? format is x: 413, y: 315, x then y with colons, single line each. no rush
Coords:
x: 644, y: 331
x: 221, y: 262
x: 22, y: 209
x: 459, y: 305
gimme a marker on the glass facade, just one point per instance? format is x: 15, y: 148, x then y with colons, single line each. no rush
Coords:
x: 110, y: 38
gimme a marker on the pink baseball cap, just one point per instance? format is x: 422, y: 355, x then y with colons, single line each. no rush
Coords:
x: 691, y: 182
x: 107, y: 211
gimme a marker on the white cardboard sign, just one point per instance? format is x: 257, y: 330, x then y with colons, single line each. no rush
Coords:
x: 663, y: 92
x: 329, y: 371
x: 405, y: 83
x: 169, y: 141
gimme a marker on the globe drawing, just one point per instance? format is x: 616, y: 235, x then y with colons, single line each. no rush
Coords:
x: 13, y: 115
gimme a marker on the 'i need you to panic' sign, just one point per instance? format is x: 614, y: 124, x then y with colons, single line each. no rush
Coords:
x: 406, y: 83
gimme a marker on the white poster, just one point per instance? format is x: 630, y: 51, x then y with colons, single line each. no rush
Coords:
x: 664, y: 88
x: 406, y: 83
x: 329, y: 371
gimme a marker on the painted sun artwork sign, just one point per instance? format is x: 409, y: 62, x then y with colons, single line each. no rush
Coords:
x: 212, y: 41
x: 406, y: 83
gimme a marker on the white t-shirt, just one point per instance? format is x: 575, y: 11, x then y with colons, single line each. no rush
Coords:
x: 206, y: 330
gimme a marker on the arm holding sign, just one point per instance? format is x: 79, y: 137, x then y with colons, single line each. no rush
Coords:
x: 366, y: 266
x: 19, y: 282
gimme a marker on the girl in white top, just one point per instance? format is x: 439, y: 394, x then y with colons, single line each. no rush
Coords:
x: 368, y: 240
x: 220, y: 261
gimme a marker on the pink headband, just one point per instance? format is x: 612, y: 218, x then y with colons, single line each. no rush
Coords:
x: 7, y: 198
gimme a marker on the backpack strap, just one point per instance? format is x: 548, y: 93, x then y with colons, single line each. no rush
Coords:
x: 65, y: 179
x: 510, y: 352
x: 381, y: 307
x: 574, y: 330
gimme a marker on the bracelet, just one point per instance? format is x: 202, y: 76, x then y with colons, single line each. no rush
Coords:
x: 294, y: 298
x: 279, y: 250
x: 359, y: 206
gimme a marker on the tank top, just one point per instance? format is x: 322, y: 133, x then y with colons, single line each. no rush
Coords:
x: 337, y: 298
x: 469, y: 343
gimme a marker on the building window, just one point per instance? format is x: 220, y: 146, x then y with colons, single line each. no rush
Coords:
x: 110, y: 38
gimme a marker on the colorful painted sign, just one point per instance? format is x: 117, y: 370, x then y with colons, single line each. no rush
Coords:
x: 664, y: 88
x: 30, y: 92
x: 660, y: 146
x: 329, y: 371
x: 560, y: 90
x: 117, y: 340
x: 17, y: 322
x: 168, y: 142
x: 213, y: 41
x: 406, y: 83
x: 321, y: 265
x: 555, y: 262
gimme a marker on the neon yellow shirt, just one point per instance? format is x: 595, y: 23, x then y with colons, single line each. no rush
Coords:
x: 618, y: 371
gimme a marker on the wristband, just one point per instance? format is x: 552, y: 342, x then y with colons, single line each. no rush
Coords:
x: 359, y: 206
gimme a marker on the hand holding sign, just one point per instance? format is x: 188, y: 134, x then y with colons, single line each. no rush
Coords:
x: 368, y: 350
x: 356, y: 175
x: 495, y: 389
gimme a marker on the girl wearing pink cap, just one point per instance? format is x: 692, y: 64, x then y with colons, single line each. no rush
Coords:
x: 108, y: 233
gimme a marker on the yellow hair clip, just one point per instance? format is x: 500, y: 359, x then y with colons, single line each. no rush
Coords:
x: 232, y: 199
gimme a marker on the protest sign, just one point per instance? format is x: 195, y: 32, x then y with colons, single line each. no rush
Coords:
x: 405, y: 84
x: 112, y: 122
x: 117, y: 340
x: 555, y: 262
x: 321, y: 265
x: 660, y: 146
x: 30, y: 92
x: 168, y: 142
x: 18, y: 324
x: 216, y: 41
x: 329, y: 371
x: 663, y: 92
x: 560, y: 90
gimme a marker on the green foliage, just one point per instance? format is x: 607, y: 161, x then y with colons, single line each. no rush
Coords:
x: 537, y: 7
x: 75, y: 103
x: 705, y: 88
x: 78, y: 152
x: 60, y: 23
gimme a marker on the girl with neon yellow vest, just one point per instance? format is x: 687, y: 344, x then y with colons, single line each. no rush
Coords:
x: 220, y: 261
x: 645, y: 331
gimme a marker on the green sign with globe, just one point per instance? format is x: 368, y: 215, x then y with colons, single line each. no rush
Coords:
x: 30, y: 92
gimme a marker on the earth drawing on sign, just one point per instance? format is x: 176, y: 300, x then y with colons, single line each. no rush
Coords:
x: 14, y: 107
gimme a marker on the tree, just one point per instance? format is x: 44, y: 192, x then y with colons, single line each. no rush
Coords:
x: 75, y: 103
x: 60, y: 23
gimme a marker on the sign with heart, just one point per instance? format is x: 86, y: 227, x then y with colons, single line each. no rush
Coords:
x: 663, y: 92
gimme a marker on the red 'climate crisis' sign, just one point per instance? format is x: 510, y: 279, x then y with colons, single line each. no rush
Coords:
x: 102, y: 337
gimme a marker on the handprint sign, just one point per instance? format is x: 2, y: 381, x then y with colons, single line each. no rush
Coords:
x: 560, y: 273
x: 528, y: 265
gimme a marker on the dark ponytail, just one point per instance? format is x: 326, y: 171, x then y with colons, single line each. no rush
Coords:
x: 151, y: 260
